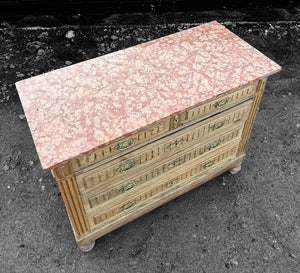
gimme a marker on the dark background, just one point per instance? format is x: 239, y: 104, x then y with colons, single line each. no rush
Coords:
x: 243, y: 223
x: 88, y: 12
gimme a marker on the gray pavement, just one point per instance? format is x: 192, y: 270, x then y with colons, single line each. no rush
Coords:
x: 249, y: 222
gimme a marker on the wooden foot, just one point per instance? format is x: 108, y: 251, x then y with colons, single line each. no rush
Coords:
x: 88, y: 247
x: 236, y: 169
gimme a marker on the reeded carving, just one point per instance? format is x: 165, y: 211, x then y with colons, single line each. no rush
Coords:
x: 69, y: 191
x: 249, y: 123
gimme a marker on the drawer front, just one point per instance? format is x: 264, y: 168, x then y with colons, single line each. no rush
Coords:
x: 157, y: 190
x: 102, y: 195
x: 219, y: 103
x: 137, y: 161
x: 121, y: 146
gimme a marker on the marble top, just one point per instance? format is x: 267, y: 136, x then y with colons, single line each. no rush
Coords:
x: 74, y: 109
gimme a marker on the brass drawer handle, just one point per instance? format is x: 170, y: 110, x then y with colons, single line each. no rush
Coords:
x: 128, y: 187
x: 125, y: 145
x: 128, y: 205
x: 172, y: 182
x: 175, y: 121
x: 174, y: 163
x: 221, y: 103
x: 218, y: 125
x: 209, y: 164
x: 126, y: 167
x: 214, y: 145
x: 175, y: 144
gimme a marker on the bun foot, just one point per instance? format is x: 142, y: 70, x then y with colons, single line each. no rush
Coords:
x: 88, y: 247
x: 236, y: 169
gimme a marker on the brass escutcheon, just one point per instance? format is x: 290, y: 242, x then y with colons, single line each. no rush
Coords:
x: 128, y: 205
x: 214, y: 145
x: 221, y: 103
x: 126, y: 167
x: 128, y: 187
x: 209, y: 164
x: 175, y: 144
x: 125, y: 145
x: 172, y: 182
x: 175, y: 121
x: 218, y: 125
x: 174, y: 163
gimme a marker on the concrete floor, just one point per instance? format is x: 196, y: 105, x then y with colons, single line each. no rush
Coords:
x: 249, y: 222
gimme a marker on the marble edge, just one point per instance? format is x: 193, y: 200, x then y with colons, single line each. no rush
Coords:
x: 227, y: 92
x: 28, y: 124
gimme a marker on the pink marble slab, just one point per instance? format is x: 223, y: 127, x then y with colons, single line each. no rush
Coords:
x: 72, y: 110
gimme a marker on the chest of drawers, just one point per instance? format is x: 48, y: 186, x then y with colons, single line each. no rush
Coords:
x: 127, y: 132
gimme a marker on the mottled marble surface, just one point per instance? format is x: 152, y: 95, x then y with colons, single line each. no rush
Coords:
x: 77, y: 108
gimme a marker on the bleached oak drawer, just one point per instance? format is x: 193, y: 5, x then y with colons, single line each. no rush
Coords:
x: 122, y: 145
x: 155, y: 191
x: 102, y: 195
x: 138, y: 160
x: 218, y: 104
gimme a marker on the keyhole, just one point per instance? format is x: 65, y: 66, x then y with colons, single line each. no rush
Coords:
x: 176, y: 119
